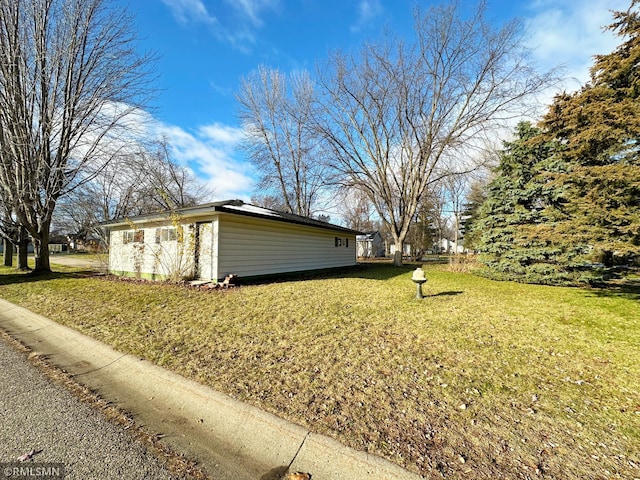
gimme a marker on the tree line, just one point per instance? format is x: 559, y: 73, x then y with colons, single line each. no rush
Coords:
x: 389, y: 126
x: 393, y: 127
x: 391, y: 120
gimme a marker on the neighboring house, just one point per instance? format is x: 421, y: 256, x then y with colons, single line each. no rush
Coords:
x: 211, y: 241
x: 370, y: 245
x: 449, y: 246
x: 30, y: 248
x: 406, y: 249
x: 86, y: 243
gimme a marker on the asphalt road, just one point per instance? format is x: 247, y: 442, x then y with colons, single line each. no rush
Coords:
x: 40, y: 416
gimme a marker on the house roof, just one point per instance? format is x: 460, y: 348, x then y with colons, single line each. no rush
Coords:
x: 368, y: 235
x: 236, y: 207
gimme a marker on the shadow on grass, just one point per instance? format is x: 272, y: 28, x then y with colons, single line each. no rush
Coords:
x: 445, y: 294
x: 382, y: 271
x: 15, y: 278
x: 629, y: 289
x: 371, y: 271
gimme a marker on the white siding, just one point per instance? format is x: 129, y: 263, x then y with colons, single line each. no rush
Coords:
x: 405, y: 248
x: 149, y: 259
x: 228, y: 244
x: 251, y: 246
x: 205, y: 251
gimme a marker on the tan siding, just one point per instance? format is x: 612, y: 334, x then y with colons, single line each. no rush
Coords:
x: 249, y: 247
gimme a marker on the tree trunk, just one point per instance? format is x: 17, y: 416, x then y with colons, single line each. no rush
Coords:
x: 397, y: 256
x: 8, y: 253
x: 23, y: 245
x: 41, y: 250
x: 455, y: 240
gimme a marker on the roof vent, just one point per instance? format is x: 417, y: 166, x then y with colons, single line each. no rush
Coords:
x: 236, y: 203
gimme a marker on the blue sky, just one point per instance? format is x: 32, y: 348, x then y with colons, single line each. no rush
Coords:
x: 206, y: 46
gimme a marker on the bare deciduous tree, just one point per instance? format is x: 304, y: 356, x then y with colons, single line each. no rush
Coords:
x: 14, y: 238
x: 166, y: 185
x: 272, y: 202
x: 396, y: 113
x: 277, y: 113
x: 146, y: 181
x: 456, y: 187
x: 69, y: 77
x: 356, y: 210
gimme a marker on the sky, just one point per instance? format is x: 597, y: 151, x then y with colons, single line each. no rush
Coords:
x: 205, y: 48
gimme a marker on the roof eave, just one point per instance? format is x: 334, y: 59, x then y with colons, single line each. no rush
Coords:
x: 206, y: 210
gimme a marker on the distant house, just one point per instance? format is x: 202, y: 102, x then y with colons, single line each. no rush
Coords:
x: 406, y: 249
x: 370, y: 245
x: 449, y: 246
x: 30, y: 248
x: 211, y: 241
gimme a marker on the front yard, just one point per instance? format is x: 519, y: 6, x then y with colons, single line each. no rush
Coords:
x: 481, y: 379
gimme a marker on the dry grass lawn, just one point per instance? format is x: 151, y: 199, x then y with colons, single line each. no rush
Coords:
x: 481, y: 379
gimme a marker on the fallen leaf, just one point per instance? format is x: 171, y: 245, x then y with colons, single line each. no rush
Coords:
x: 298, y: 476
x: 26, y: 456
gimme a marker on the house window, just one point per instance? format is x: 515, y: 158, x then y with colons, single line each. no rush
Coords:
x: 133, y: 236
x: 338, y: 242
x: 166, y: 234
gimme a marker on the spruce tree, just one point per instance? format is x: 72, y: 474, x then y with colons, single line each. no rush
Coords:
x: 517, y: 220
x: 475, y: 198
x: 567, y: 193
x: 600, y: 129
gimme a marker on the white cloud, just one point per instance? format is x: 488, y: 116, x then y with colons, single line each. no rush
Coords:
x: 223, y: 134
x: 213, y: 154
x: 367, y: 11
x: 238, y: 30
x: 570, y: 33
x: 252, y: 9
x: 186, y: 11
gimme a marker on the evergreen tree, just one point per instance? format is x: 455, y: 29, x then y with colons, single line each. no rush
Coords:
x: 600, y: 128
x: 567, y: 193
x: 475, y: 198
x: 518, y: 219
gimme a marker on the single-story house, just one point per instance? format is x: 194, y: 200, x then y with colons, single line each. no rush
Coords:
x: 211, y: 241
x: 406, y: 249
x: 370, y: 245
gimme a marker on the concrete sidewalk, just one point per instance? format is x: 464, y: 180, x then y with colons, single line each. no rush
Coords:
x: 229, y: 439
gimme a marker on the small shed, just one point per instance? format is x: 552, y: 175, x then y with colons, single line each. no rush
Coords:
x: 370, y: 245
x: 211, y: 241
